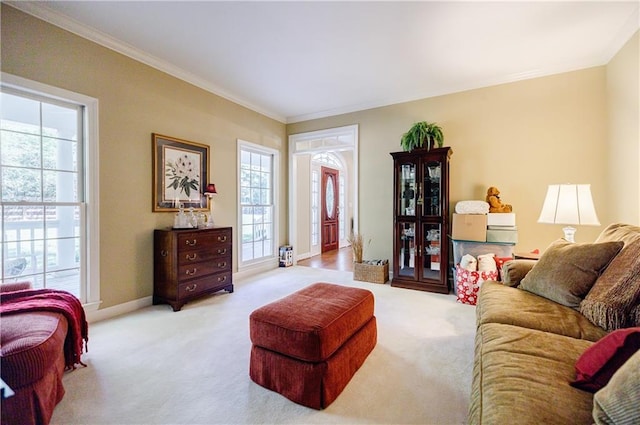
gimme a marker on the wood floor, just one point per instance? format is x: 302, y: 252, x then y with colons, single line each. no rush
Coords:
x: 340, y: 259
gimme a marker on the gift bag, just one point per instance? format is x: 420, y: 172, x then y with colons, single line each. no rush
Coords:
x: 469, y: 282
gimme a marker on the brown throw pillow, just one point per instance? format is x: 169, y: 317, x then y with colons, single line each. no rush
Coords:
x: 613, y: 300
x: 566, y: 271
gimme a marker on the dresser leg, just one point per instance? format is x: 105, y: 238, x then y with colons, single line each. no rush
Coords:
x: 229, y: 289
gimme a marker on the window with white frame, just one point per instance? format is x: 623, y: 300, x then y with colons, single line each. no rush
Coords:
x: 257, y: 202
x: 45, y: 215
x: 341, y: 206
x: 315, y: 208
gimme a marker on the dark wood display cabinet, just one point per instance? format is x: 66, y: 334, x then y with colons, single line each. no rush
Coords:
x: 421, y: 219
x: 191, y: 263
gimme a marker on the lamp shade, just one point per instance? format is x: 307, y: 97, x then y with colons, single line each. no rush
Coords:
x: 569, y: 204
x: 211, y: 188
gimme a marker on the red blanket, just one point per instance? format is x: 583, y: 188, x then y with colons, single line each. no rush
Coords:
x: 59, y: 302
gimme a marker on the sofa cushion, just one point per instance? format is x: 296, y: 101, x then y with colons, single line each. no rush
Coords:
x: 566, y: 271
x: 626, y: 233
x: 617, y: 403
x: 598, y: 363
x: 513, y: 306
x: 616, y: 292
x: 521, y: 376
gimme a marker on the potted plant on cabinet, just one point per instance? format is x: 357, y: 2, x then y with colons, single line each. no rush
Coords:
x: 424, y: 135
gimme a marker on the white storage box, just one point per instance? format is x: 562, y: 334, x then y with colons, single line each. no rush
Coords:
x: 501, y: 219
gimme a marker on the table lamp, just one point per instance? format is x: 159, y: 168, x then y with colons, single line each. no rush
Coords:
x: 569, y: 204
x: 209, y: 192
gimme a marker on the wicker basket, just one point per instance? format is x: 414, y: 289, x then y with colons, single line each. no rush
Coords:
x: 371, y: 272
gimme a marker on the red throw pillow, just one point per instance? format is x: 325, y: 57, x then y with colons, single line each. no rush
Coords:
x: 599, y: 362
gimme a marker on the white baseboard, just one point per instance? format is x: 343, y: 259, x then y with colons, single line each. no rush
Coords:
x: 117, y: 310
x: 255, y: 269
x: 303, y: 256
x: 128, y: 307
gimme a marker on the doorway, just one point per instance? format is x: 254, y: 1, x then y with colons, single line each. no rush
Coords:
x: 310, y: 152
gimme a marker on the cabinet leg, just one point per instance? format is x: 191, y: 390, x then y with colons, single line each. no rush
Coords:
x: 229, y: 289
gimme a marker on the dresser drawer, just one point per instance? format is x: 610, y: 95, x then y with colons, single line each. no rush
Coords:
x: 197, y: 286
x: 194, y: 270
x: 204, y: 253
x: 195, y: 240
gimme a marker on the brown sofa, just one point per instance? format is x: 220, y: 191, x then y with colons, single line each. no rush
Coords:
x: 36, y: 348
x: 527, y: 344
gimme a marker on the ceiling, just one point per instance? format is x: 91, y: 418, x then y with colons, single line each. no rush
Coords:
x: 294, y: 61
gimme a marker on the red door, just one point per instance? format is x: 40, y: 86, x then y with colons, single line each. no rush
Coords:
x: 330, y: 211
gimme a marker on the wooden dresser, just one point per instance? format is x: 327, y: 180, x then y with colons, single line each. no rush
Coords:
x: 190, y: 263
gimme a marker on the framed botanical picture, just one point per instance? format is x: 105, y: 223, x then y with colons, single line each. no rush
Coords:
x: 180, y: 173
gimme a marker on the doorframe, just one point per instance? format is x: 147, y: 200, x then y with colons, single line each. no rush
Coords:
x: 328, y: 140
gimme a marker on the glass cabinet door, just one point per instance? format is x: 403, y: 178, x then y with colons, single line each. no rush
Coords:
x: 407, y: 252
x: 432, y: 188
x: 407, y: 190
x: 432, y: 244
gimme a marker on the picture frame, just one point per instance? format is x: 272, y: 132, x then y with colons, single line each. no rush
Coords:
x: 180, y: 174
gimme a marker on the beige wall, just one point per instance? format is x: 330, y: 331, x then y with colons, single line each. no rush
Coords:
x: 136, y: 100
x: 519, y: 137
x: 623, y: 86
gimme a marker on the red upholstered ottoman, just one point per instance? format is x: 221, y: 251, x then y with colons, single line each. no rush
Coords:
x: 308, y: 345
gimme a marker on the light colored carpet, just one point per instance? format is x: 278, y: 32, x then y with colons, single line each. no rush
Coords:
x: 155, y: 366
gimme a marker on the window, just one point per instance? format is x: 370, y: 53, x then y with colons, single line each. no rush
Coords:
x: 257, y: 202
x: 45, y: 214
x: 341, y: 207
x: 315, y: 208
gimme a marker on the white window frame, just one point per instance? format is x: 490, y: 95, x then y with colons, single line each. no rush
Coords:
x: 275, y: 196
x: 91, y: 238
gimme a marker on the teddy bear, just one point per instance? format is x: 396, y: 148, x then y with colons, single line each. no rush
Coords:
x: 468, y: 262
x: 495, y: 204
x: 487, y: 263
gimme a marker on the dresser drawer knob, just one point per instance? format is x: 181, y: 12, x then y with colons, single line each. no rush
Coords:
x: 222, y: 251
x: 222, y: 238
x: 191, y: 257
x: 222, y: 279
x: 191, y: 288
x: 222, y: 265
x: 191, y: 243
x: 191, y: 272
x: 164, y: 252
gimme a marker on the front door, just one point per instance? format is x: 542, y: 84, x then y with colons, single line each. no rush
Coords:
x: 330, y: 212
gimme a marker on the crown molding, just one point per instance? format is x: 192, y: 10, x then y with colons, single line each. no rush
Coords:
x: 52, y: 17
x: 626, y: 31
